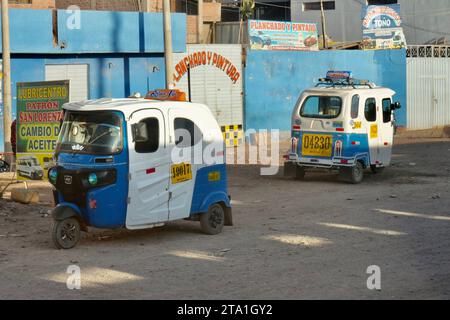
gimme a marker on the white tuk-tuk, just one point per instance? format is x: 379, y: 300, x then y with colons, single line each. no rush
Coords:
x: 342, y: 124
x: 136, y: 164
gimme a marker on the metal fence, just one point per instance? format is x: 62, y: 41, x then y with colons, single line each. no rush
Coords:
x: 428, y: 86
x: 428, y: 51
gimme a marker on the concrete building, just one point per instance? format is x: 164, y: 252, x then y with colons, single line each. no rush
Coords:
x: 423, y: 20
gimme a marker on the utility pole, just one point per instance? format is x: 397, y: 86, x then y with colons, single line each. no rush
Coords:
x: 7, y: 101
x: 324, y: 27
x: 200, y: 21
x: 168, y: 44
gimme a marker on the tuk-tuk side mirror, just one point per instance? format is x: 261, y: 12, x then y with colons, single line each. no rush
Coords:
x: 139, y: 131
x: 396, y: 106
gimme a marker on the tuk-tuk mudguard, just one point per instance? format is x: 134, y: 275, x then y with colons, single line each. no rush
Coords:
x: 69, y: 210
x: 66, y: 210
x: 216, y: 197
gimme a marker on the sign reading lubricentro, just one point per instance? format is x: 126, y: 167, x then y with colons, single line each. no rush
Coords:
x: 39, y: 115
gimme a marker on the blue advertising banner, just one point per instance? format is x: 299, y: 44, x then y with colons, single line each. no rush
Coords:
x: 281, y: 35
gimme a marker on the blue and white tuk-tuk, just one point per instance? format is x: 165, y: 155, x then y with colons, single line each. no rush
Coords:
x: 137, y: 164
x: 342, y: 124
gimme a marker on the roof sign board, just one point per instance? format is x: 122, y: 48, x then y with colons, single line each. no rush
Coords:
x: 381, y: 17
x: 382, y: 27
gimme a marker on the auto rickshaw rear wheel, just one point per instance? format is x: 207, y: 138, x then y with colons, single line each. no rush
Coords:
x: 66, y: 233
x: 213, y: 221
x: 353, y: 174
x: 300, y: 173
x: 376, y: 170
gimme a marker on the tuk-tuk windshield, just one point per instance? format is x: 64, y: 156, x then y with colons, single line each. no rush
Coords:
x: 91, y: 133
x: 322, y: 107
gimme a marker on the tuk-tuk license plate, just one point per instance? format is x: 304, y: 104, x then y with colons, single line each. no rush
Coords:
x: 317, y: 145
x: 181, y: 173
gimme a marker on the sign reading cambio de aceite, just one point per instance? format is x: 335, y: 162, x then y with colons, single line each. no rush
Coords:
x: 39, y: 115
x: 281, y: 35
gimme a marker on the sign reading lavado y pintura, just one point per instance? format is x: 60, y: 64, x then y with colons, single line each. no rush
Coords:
x: 206, y: 58
x: 39, y: 115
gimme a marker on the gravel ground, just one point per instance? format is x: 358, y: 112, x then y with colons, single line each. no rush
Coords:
x: 311, y: 239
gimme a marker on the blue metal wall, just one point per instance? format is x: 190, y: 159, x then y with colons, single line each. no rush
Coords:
x: 124, y: 50
x: 99, y: 32
x: 110, y: 75
x: 274, y: 80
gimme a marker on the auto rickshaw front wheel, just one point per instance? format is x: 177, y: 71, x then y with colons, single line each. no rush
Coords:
x: 213, y: 221
x: 66, y: 233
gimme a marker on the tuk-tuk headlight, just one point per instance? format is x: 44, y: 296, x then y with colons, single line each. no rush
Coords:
x: 93, y: 179
x: 53, y: 175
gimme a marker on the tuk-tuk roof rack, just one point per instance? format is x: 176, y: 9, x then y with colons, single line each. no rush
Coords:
x: 347, y: 82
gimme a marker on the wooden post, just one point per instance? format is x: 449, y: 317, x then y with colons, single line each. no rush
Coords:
x: 324, y: 31
x: 168, y: 51
x: 7, y: 100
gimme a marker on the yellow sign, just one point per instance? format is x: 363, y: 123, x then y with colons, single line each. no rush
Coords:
x: 374, y: 131
x: 357, y: 125
x: 317, y: 145
x: 214, y: 176
x: 181, y: 173
x: 39, y: 116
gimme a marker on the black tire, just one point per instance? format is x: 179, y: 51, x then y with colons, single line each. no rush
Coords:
x: 376, y: 170
x: 213, y: 221
x: 66, y: 233
x: 300, y: 173
x: 354, y: 175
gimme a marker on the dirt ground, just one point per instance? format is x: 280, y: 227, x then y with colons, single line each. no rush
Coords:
x: 292, y: 240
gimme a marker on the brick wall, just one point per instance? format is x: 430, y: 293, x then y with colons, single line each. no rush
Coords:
x: 35, y: 4
x: 112, y: 5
